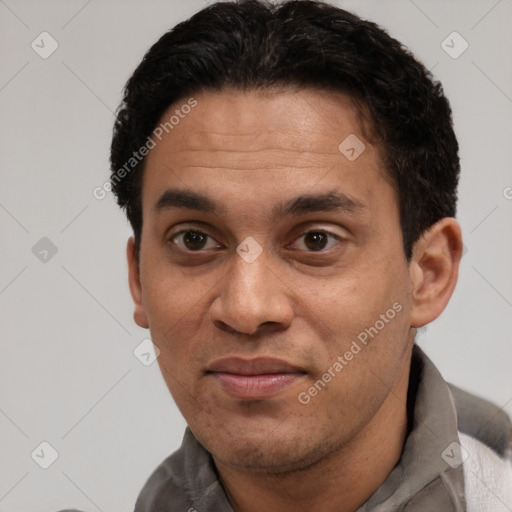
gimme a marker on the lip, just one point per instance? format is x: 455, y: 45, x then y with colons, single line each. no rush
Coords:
x: 254, y: 379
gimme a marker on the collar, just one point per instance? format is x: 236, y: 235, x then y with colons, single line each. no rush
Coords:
x: 422, y: 472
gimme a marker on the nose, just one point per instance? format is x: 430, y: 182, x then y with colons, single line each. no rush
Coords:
x: 252, y: 298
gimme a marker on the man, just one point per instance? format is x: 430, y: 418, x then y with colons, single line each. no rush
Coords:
x: 290, y: 174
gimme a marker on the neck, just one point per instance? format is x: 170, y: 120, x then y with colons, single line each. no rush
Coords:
x: 344, y: 481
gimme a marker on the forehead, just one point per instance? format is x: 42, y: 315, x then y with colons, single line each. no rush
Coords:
x: 305, y: 120
x: 242, y: 145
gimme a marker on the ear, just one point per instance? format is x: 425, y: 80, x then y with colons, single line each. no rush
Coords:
x: 434, y: 269
x: 139, y: 314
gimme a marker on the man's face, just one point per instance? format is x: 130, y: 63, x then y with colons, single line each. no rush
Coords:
x: 245, y: 337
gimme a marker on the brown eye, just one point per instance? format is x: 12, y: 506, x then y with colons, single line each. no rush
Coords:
x: 316, y: 241
x: 192, y: 240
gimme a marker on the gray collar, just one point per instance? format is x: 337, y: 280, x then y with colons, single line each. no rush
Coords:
x: 422, y: 469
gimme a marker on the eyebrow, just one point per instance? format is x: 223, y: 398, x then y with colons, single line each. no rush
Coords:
x: 333, y: 201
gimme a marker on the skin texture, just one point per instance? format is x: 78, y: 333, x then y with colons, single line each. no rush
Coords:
x: 249, y: 152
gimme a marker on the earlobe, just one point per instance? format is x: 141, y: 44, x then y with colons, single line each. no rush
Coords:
x: 139, y: 314
x: 434, y: 270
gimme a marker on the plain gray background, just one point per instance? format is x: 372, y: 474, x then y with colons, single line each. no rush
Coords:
x: 68, y: 375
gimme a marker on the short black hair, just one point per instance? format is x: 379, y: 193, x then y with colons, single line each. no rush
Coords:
x: 259, y: 45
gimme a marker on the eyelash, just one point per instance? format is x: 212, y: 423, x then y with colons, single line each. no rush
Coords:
x: 199, y: 232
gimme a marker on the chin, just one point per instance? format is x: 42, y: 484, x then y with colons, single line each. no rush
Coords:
x: 264, y: 451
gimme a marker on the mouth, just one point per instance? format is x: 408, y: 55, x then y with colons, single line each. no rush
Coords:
x: 254, y: 379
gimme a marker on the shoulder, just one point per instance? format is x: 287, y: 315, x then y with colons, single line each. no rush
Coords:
x: 484, y: 421
x: 487, y: 477
x: 168, y: 484
x: 485, y: 434
x: 186, y: 481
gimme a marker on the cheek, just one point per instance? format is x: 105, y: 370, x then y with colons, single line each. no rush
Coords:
x: 177, y: 311
x: 364, y: 314
x: 354, y: 300
x: 365, y: 354
x: 169, y: 297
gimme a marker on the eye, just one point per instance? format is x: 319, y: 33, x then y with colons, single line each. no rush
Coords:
x: 193, y: 240
x: 317, y: 241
